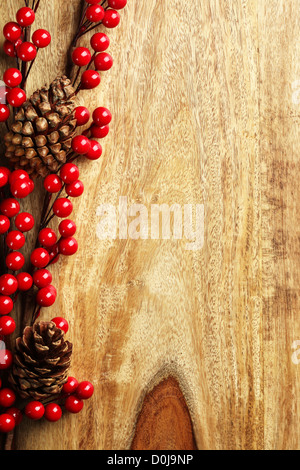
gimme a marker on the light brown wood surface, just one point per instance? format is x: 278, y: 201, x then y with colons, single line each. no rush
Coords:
x: 204, y: 113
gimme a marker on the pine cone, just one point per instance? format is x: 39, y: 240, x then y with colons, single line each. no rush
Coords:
x: 41, y: 362
x: 41, y: 135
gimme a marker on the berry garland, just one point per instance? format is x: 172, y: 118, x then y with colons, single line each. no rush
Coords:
x: 41, y: 142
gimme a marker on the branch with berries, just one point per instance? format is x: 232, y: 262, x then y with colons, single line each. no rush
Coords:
x: 43, y: 140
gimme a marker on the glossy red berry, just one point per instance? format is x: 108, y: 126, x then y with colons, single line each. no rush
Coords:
x: 90, y: 79
x: 73, y: 404
x: 68, y: 246
x: 8, y: 284
x: 6, y: 305
x: 25, y: 281
x: 62, y: 207
x: 85, y: 390
x: 9, y: 207
x: 67, y: 228
x: 4, y: 224
x: 16, y: 97
x: 15, y: 261
x: 82, y: 115
x: 75, y: 189
x: 95, y: 152
x: 34, y: 410
x: 24, y: 222
x: 95, y: 13
x: 42, y: 278
x: 41, y: 38
x: 61, y: 323
x: 81, y: 145
x: 4, y: 112
x: 18, y: 175
x: 111, y: 19
x: 12, y: 77
x: 54, y: 254
x: 6, y: 359
x: 117, y: 4
x: 100, y: 42
x: 7, y: 325
x: 9, y: 48
x: 40, y: 258
x: 46, y: 296
x: 15, y: 240
x: 53, y: 412
x: 102, y: 116
x: 70, y: 386
x: 70, y: 172
x: 52, y: 184
x: 3, y: 177
x: 12, y: 31
x: 25, y: 16
x: 7, y: 397
x: 103, y: 61
x: 99, y: 132
x: 7, y: 423
x: 16, y: 414
x: 81, y: 56
x: 26, y: 51
x: 47, y: 237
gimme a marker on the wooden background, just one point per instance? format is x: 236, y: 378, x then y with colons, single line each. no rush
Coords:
x: 206, y: 111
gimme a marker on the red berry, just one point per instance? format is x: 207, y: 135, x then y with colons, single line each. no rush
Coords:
x: 52, y: 184
x: 75, y: 189
x: 15, y: 261
x: 7, y: 423
x: 15, y: 240
x: 81, y: 56
x: 61, y: 323
x: 25, y: 281
x: 102, y: 116
x: 67, y: 228
x: 25, y: 16
x: 18, y: 175
x: 6, y: 305
x: 90, y: 79
x: 46, y: 296
x: 81, y: 145
x: 95, y: 152
x: 4, y: 112
x: 82, y: 115
x: 3, y: 176
x: 7, y: 325
x: 9, y: 207
x: 4, y: 224
x: 12, y: 77
x: 8, y: 284
x: 9, y: 48
x: 62, y: 207
x: 42, y: 278
x: 117, y: 4
x: 68, y: 246
x: 103, y: 61
x: 26, y: 51
x: 111, y: 18
x: 99, y: 132
x: 41, y: 38
x: 6, y: 359
x: 54, y: 254
x: 7, y: 397
x: 40, y: 258
x: 70, y: 386
x: 85, y: 390
x: 12, y: 31
x: 73, y: 404
x: 16, y: 414
x: 24, y: 222
x: 47, y: 237
x: 92, y: 2
x: 100, y: 42
x: 53, y: 412
x: 34, y: 410
x: 70, y: 172
x: 16, y: 97
x: 95, y: 13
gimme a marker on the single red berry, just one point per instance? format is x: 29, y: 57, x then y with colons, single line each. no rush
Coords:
x: 95, y: 13
x: 15, y: 240
x: 47, y: 237
x: 24, y: 222
x: 26, y: 51
x: 41, y: 38
x: 7, y: 397
x: 15, y: 261
x: 8, y: 284
x: 4, y: 112
x: 102, y: 116
x: 25, y: 16
x: 75, y: 189
x: 82, y: 115
x: 70, y: 386
x: 53, y: 412
x: 16, y: 414
x: 99, y: 132
x: 103, y: 61
x: 68, y: 246
x: 62, y: 207
x: 25, y: 281
x: 42, y: 278
x: 7, y: 325
x: 95, y: 152
x: 81, y: 145
x: 6, y: 359
x: 90, y: 79
x: 85, y: 390
x: 70, y: 172
x: 73, y: 404
x: 117, y: 4
x: 7, y: 423
x: 12, y: 31
x: 34, y: 410
x: 46, y: 296
x: 9, y: 48
x: 3, y: 176
x: 52, y: 183
x: 39, y: 258
x: 12, y: 77
x: 100, y: 42
x: 54, y: 254
x: 61, y: 323
x: 5, y: 171
x: 16, y: 97
x: 67, y: 228
x: 9, y: 207
x: 4, y: 224
x: 111, y: 19
x: 92, y: 2
x: 6, y: 306
x: 18, y: 175
x: 81, y: 56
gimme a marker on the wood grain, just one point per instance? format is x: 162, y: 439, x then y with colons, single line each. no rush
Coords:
x: 203, y: 114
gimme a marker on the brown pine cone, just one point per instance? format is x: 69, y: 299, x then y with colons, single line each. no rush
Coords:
x: 41, y: 362
x: 41, y: 134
